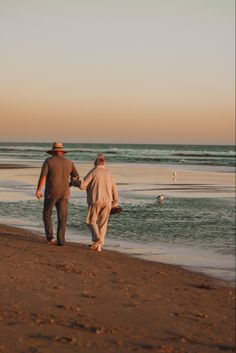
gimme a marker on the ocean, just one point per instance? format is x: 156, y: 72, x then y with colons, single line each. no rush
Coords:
x: 127, y: 153
x: 193, y: 227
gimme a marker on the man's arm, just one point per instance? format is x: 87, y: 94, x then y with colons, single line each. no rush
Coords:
x: 74, y: 173
x: 74, y: 176
x: 41, y: 183
x: 42, y: 180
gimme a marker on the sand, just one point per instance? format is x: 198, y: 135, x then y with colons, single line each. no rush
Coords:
x: 16, y: 166
x: 72, y: 299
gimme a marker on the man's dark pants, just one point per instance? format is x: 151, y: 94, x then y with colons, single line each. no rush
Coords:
x: 62, y: 210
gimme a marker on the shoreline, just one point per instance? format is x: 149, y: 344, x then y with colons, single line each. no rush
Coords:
x: 166, y: 255
x: 11, y: 164
x: 62, y: 299
x: 15, y: 166
x: 20, y: 186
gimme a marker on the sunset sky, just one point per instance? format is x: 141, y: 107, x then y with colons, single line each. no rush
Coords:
x: 138, y: 71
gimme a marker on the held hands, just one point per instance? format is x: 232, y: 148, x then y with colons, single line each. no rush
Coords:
x: 74, y: 181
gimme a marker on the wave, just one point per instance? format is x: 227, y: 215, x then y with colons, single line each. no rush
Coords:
x: 22, y: 148
x: 83, y: 150
x: 163, y: 154
x: 206, y: 155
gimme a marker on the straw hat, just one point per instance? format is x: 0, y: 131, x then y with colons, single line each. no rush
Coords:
x: 56, y: 146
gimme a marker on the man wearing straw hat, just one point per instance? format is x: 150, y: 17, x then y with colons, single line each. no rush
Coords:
x: 56, y: 173
x: 101, y: 197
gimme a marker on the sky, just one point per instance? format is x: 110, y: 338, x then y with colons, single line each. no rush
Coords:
x: 128, y: 71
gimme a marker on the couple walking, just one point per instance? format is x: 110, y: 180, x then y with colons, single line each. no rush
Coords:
x: 58, y: 174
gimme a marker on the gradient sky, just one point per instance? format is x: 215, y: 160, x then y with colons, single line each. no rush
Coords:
x: 144, y: 71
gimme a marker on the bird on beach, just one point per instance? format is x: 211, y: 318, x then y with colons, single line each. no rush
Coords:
x: 160, y: 198
x: 174, y: 175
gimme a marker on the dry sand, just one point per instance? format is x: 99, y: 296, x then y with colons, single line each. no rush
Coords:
x: 72, y: 299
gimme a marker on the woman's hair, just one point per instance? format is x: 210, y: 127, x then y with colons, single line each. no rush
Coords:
x: 100, y: 159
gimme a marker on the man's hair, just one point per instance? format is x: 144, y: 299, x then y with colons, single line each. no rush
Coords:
x: 56, y: 153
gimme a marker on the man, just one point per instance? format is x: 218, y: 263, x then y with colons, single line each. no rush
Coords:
x: 56, y: 172
x: 101, y: 197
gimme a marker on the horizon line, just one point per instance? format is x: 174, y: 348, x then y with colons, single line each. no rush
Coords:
x: 122, y: 143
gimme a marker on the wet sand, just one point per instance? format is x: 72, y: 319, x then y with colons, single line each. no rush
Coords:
x: 72, y: 299
x: 139, y: 179
x: 15, y: 166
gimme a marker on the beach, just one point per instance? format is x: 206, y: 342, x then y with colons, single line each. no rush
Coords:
x: 72, y: 299
x: 194, y: 227
x: 128, y: 104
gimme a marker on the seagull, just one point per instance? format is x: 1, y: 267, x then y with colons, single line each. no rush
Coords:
x: 174, y: 175
x: 160, y: 198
